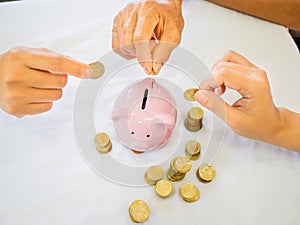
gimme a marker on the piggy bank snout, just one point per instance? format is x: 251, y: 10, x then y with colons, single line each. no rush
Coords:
x: 144, y: 125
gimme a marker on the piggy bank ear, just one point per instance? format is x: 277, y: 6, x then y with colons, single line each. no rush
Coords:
x: 121, y: 113
x: 165, y: 118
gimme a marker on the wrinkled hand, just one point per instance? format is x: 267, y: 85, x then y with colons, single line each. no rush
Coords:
x: 148, y: 30
x: 254, y: 115
x: 31, y: 79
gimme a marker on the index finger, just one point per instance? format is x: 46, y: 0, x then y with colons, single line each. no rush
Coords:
x: 143, y: 32
x: 233, y: 57
x: 57, y: 63
x: 230, y: 78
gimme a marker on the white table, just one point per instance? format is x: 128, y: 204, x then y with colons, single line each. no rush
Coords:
x: 44, y: 179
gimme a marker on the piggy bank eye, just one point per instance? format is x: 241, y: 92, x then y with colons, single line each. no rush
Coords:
x: 132, y: 132
x: 148, y: 135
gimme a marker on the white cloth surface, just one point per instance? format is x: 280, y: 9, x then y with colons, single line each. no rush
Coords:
x: 44, y: 179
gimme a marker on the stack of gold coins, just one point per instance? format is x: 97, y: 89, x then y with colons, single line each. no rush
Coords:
x: 164, y: 188
x: 193, y: 121
x: 154, y: 174
x: 139, y: 211
x: 189, y: 192
x: 189, y: 94
x: 102, y: 143
x: 206, y: 173
x: 179, y: 166
x: 192, y: 150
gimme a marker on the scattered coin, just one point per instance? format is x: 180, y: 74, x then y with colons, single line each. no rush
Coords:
x: 139, y: 211
x: 192, y: 150
x: 164, y: 188
x: 174, y: 176
x: 98, y: 69
x: 193, y: 122
x: 102, y: 143
x: 189, y: 192
x: 195, y: 114
x: 206, y: 173
x: 154, y: 174
x: 136, y: 152
x: 181, y: 164
x: 189, y: 94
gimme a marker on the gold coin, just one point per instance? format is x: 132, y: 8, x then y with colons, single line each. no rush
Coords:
x: 206, y: 173
x: 139, y: 211
x: 101, y: 139
x: 102, y: 142
x: 189, y: 192
x: 192, y: 148
x: 164, y: 188
x: 193, y: 123
x: 194, y: 157
x: 192, y: 128
x: 154, y: 174
x: 98, y: 69
x: 189, y: 94
x: 195, y: 113
x: 105, y: 149
x: 136, y: 151
x: 181, y: 164
x: 173, y: 176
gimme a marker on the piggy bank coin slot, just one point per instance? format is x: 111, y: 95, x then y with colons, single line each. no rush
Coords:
x: 145, y: 99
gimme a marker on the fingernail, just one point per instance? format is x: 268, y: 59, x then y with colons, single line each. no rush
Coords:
x: 89, y: 73
x: 201, y: 97
x: 156, y: 67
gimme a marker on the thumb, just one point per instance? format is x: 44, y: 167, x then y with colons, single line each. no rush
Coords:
x: 161, y: 54
x: 215, y: 103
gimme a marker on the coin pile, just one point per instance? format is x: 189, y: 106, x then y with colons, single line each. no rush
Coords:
x: 189, y: 94
x: 193, y: 122
x: 192, y: 150
x: 98, y: 69
x: 206, y: 173
x: 102, y: 143
x: 179, y: 166
x: 154, y: 174
x: 189, y: 192
x: 139, y: 211
x: 164, y: 188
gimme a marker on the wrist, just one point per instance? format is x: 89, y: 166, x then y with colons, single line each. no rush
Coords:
x: 287, y: 134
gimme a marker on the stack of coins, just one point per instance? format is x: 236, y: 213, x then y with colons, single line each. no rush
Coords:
x: 206, y: 173
x: 102, y: 143
x: 98, y: 69
x: 179, y: 166
x: 154, y: 174
x: 139, y: 211
x: 189, y: 94
x: 164, y: 188
x: 192, y: 150
x: 193, y: 121
x: 189, y: 192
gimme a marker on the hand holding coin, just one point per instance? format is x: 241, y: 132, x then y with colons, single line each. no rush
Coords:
x: 31, y: 79
x: 254, y: 115
x: 148, y: 30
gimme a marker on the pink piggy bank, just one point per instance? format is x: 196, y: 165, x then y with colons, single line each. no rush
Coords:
x: 144, y: 115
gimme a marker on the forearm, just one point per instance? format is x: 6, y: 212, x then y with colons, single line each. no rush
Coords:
x: 289, y: 136
x: 284, y: 12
